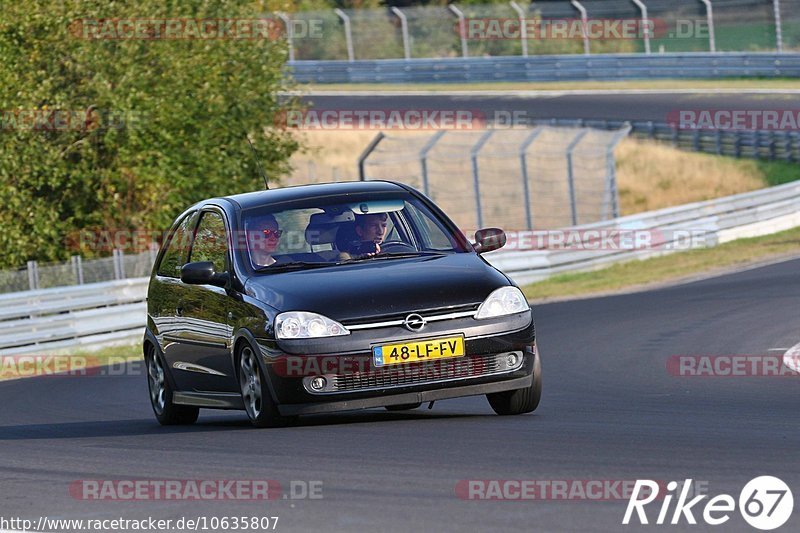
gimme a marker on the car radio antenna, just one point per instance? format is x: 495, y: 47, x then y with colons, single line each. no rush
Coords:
x: 258, y: 163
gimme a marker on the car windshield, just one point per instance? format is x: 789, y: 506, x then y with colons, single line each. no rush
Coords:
x: 320, y: 232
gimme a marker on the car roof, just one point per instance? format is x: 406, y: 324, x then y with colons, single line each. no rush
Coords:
x: 319, y: 190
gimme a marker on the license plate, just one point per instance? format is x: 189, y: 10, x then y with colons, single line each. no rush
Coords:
x: 411, y: 352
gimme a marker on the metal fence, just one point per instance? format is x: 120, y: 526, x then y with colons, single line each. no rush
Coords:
x: 542, y: 177
x: 521, y: 29
x: 78, y: 271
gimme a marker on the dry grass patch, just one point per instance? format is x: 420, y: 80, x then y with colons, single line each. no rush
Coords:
x: 652, y: 176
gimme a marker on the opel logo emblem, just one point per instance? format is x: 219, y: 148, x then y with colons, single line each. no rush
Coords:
x: 414, y: 322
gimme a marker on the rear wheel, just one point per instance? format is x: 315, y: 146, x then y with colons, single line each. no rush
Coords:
x: 519, y: 401
x: 167, y: 413
x: 403, y: 407
x: 258, y: 403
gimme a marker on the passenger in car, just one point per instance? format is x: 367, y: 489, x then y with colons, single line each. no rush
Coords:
x: 369, y: 231
x: 263, y: 237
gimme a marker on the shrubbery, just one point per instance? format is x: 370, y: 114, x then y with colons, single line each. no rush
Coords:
x: 137, y: 129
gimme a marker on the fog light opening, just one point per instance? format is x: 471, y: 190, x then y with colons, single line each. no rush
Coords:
x: 512, y: 360
x: 318, y: 383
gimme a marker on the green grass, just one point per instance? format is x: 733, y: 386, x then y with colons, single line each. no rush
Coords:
x: 734, y: 83
x: 669, y: 268
x: 778, y: 172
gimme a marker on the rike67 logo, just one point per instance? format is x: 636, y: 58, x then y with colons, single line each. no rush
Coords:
x: 765, y: 503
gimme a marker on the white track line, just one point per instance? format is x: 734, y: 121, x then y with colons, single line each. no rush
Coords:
x: 791, y: 359
x: 541, y: 94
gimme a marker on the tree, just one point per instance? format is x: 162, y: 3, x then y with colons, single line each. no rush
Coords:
x: 99, y: 129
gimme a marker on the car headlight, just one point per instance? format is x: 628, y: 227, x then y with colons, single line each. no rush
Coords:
x: 303, y: 325
x: 503, y: 301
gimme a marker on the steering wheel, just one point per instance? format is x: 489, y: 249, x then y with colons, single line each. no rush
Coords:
x: 396, y: 246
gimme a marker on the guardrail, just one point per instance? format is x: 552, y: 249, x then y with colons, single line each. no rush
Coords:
x: 711, y: 222
x: 91, y: 314
x: 115, y: 311
x: 550, y: 68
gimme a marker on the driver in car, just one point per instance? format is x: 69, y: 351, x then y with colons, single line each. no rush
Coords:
x: 263, y: 236
x: 370, y: 230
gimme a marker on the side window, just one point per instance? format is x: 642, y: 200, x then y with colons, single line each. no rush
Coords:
x: 210, y: 243
x: 177, y: 248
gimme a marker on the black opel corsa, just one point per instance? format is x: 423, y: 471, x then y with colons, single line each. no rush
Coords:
x: 332, y: 297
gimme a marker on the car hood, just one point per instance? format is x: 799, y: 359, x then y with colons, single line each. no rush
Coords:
x: 382, y: 287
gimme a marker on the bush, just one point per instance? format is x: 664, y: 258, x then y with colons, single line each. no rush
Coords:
x: 167, y: 120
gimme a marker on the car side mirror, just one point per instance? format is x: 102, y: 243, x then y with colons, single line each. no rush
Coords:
x: 489, y: 239
x: 202, y: 273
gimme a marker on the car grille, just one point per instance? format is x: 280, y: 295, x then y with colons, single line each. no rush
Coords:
x: 425, y: 313
x: 421, y: 373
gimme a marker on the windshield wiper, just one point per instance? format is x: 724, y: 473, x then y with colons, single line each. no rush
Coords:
x: 292, y: 265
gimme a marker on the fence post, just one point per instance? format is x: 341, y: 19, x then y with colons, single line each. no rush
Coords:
x: 712, y: 40
x: 584, y: 24
x: 611, y: 169
x: 116, y: 260
x: 523, y: 31
x: 423, y: 159
x: 462, y: 28
x: 365, y: 154
x: 475, y: 179
x: 571, y: 176
x: 77, y: 268
x: 404, y: 29
x: 348, y: 33
x: 645, y: 24
x: 776, y: 6
x: 523, y: 149
x: 289, y: 33
x: 33, y: 275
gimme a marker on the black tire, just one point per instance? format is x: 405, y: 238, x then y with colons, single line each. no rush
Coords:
x: 161, y: 390
x: 519, y: 401
x: 403, y: 407
x: 258, y: 403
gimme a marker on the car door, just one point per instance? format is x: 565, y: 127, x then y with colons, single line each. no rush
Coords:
x: 166, y: 288
x: 202, y: 362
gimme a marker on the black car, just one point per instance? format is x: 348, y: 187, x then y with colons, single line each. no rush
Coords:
x: 332, y: 297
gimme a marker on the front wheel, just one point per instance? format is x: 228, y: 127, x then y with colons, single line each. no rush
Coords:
x: 519, y: 401
x: 258, y: 403
x: 167, y: 413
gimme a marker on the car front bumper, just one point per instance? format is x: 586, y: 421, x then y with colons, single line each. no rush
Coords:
x: 472, y: 374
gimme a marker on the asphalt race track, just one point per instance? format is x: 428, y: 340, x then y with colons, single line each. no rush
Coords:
x: 617, y: 105
x: 610, y: 411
